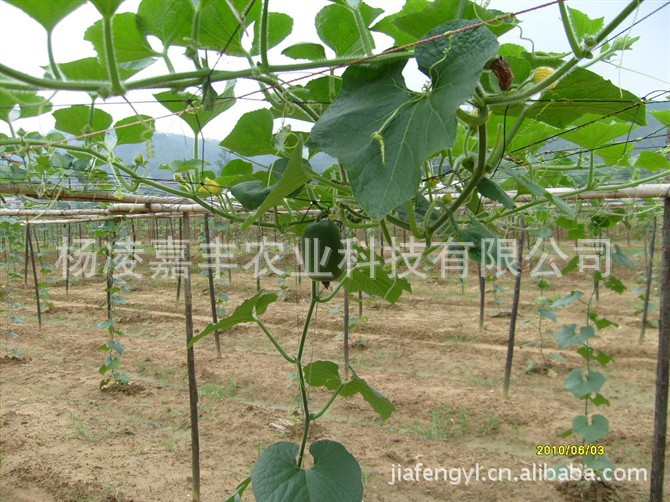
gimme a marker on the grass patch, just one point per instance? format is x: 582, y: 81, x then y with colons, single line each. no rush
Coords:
x: 214, y: 390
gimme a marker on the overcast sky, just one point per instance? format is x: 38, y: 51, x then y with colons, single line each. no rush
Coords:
x: 641, y: 71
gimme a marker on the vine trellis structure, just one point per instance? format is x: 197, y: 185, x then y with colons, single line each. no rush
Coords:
x: 157, y: 207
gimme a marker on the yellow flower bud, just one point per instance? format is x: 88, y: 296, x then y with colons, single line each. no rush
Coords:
x: 210, y: 186
x: 542, y: 73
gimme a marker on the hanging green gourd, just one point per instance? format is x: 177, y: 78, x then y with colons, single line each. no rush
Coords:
x: 322, y: 248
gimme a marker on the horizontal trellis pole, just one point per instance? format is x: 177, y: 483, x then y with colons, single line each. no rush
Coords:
x: 65, y: 221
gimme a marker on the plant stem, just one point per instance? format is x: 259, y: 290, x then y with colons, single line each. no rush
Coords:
x: 362, y: 31
x: 314, y: 416
x: 477, y: 176
x: 117, y: 88
x: 52, y: 60
x: 274, y: 341
x: 570, y: 32
x: 264, y: 34
x: 301, y: 376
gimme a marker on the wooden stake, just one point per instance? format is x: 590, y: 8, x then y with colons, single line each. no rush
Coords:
x: 68, y: 245
x: 481, y: 272
x: 514, y: 314
x: 190, y: 361
x: 181, y: 237
x: 346, y: 333
x: 37, y: 286
x: 662, y: 368
x: 650, y: 270
x: 210, y: 278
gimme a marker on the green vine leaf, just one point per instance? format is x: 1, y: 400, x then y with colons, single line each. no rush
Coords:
x: 421, y: 16
x: 335, y: 476
x: 382, y: 132
x: 583, y: 25
x: 92, y: 69
x: 568, y: 335
x: 129, y: 43
x: 78, y: 120
x: 245, y: 312
x: 252, y: 135
x: 580, y: 92
x: 591, y: 432
x: 582, y: 385
x: 280, y: 26
x: 30, y: 104
x: 653, y: 162
x: 327, y: 374
x: 251, y: 194
x: 136, y: 133
x: 307, y: 50
x: 48, y: 14
x: 337, y: 28
x: 373, y: 279
x: 219, y: 26
x: 294, y: 177
x: 168, y: 20
x: 189, y: 106
x: 107, y: 7
x: 491, y: 190
x: 526, y: 185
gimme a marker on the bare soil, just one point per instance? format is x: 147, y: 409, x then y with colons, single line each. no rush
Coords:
x: 64, y: 439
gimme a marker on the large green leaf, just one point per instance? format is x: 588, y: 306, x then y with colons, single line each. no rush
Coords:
x: 136, y: 133
x: 190, y: 107
x: 581, y: 92
x: 279, y: 27
x: 382, y: 132
x: 334, y: 477
x: 327, y: 374
x: 168, y: 20
x: 220, y: 29
x: 129, y: 43
x: 245, y: 312
x: 47, y: 12
x: 252, y: 135
x: 77, y: 120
